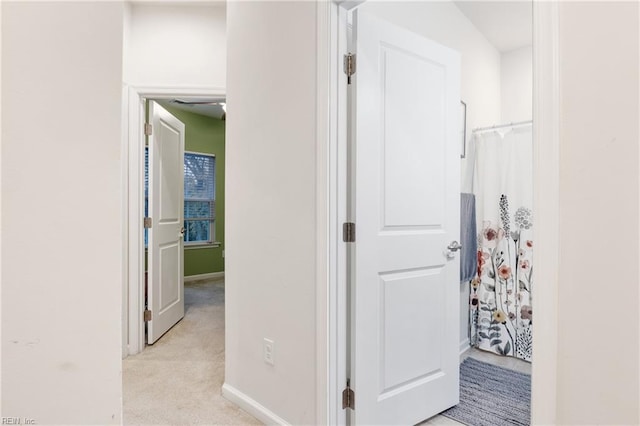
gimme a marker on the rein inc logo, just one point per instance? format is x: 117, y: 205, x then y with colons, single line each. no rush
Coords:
x: 17, y: 421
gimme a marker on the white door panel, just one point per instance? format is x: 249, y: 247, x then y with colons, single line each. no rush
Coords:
x: 411, y: 167
x: 405, y: 290
x: 166, y: 210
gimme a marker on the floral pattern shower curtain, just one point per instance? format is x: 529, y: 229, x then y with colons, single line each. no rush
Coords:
x: 501, y: 302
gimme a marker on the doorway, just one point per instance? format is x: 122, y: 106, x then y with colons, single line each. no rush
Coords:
x: 195, y: 250
x: 395, y: 15
x: 134, y: 324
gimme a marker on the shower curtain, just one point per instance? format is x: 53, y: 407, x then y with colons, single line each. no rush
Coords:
x: 500, y: 300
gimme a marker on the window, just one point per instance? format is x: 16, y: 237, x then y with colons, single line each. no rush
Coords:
x: 199, y: 197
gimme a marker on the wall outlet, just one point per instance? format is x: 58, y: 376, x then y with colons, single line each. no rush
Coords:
x: 267, y: 351
x: 223, y: 254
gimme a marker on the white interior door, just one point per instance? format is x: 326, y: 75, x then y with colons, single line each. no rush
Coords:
x: 166, y: 210
x: 405, y: 282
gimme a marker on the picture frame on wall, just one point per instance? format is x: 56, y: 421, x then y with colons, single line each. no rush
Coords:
x: 463, y: 129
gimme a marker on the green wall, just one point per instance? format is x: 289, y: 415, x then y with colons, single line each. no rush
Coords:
x: 205, y: 135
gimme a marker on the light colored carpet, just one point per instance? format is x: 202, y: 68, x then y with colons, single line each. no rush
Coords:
x: 177, y: 380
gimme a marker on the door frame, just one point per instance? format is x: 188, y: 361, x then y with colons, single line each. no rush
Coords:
x: 331, y: 173
x: 133, y: 203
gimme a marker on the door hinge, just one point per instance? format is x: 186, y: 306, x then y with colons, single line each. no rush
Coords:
x: 147, y: 222
x: 348, y: 397
x: 148, y: 129
x: 349, y: 232
x: 147, y: 315
x: 349, y: 65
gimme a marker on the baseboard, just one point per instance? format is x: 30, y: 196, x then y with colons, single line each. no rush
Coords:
x: 251, y: 406
x: 465, y: 345
x: 209, y: 276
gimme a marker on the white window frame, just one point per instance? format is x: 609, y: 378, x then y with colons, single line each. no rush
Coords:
x: 212, y: 230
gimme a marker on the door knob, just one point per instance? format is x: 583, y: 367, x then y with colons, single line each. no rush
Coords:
x: 182, y: 232
x: 454, y: 246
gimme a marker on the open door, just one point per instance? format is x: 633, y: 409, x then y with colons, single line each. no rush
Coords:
x: 404, y: 317
x: 166, y: 211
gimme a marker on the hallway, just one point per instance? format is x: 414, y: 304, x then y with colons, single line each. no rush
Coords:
x: 178, y: 380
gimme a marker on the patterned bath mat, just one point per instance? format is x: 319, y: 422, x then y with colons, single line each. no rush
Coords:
x: 491, y: 396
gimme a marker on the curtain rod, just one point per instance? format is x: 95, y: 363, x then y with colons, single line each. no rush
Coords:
x: 519, y: 123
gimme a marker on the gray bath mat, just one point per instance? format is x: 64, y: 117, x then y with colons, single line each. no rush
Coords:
x: 491, y: 396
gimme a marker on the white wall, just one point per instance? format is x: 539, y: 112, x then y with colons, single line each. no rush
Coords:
x: 61, y: 211
x: 176, y: 45
x: 480, y: 78
x: 598, y: 333
x: 516, y: 91
x: 270, y: 273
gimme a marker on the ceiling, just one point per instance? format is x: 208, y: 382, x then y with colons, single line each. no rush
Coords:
x: 506, y: 24
x: 214, y: 111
